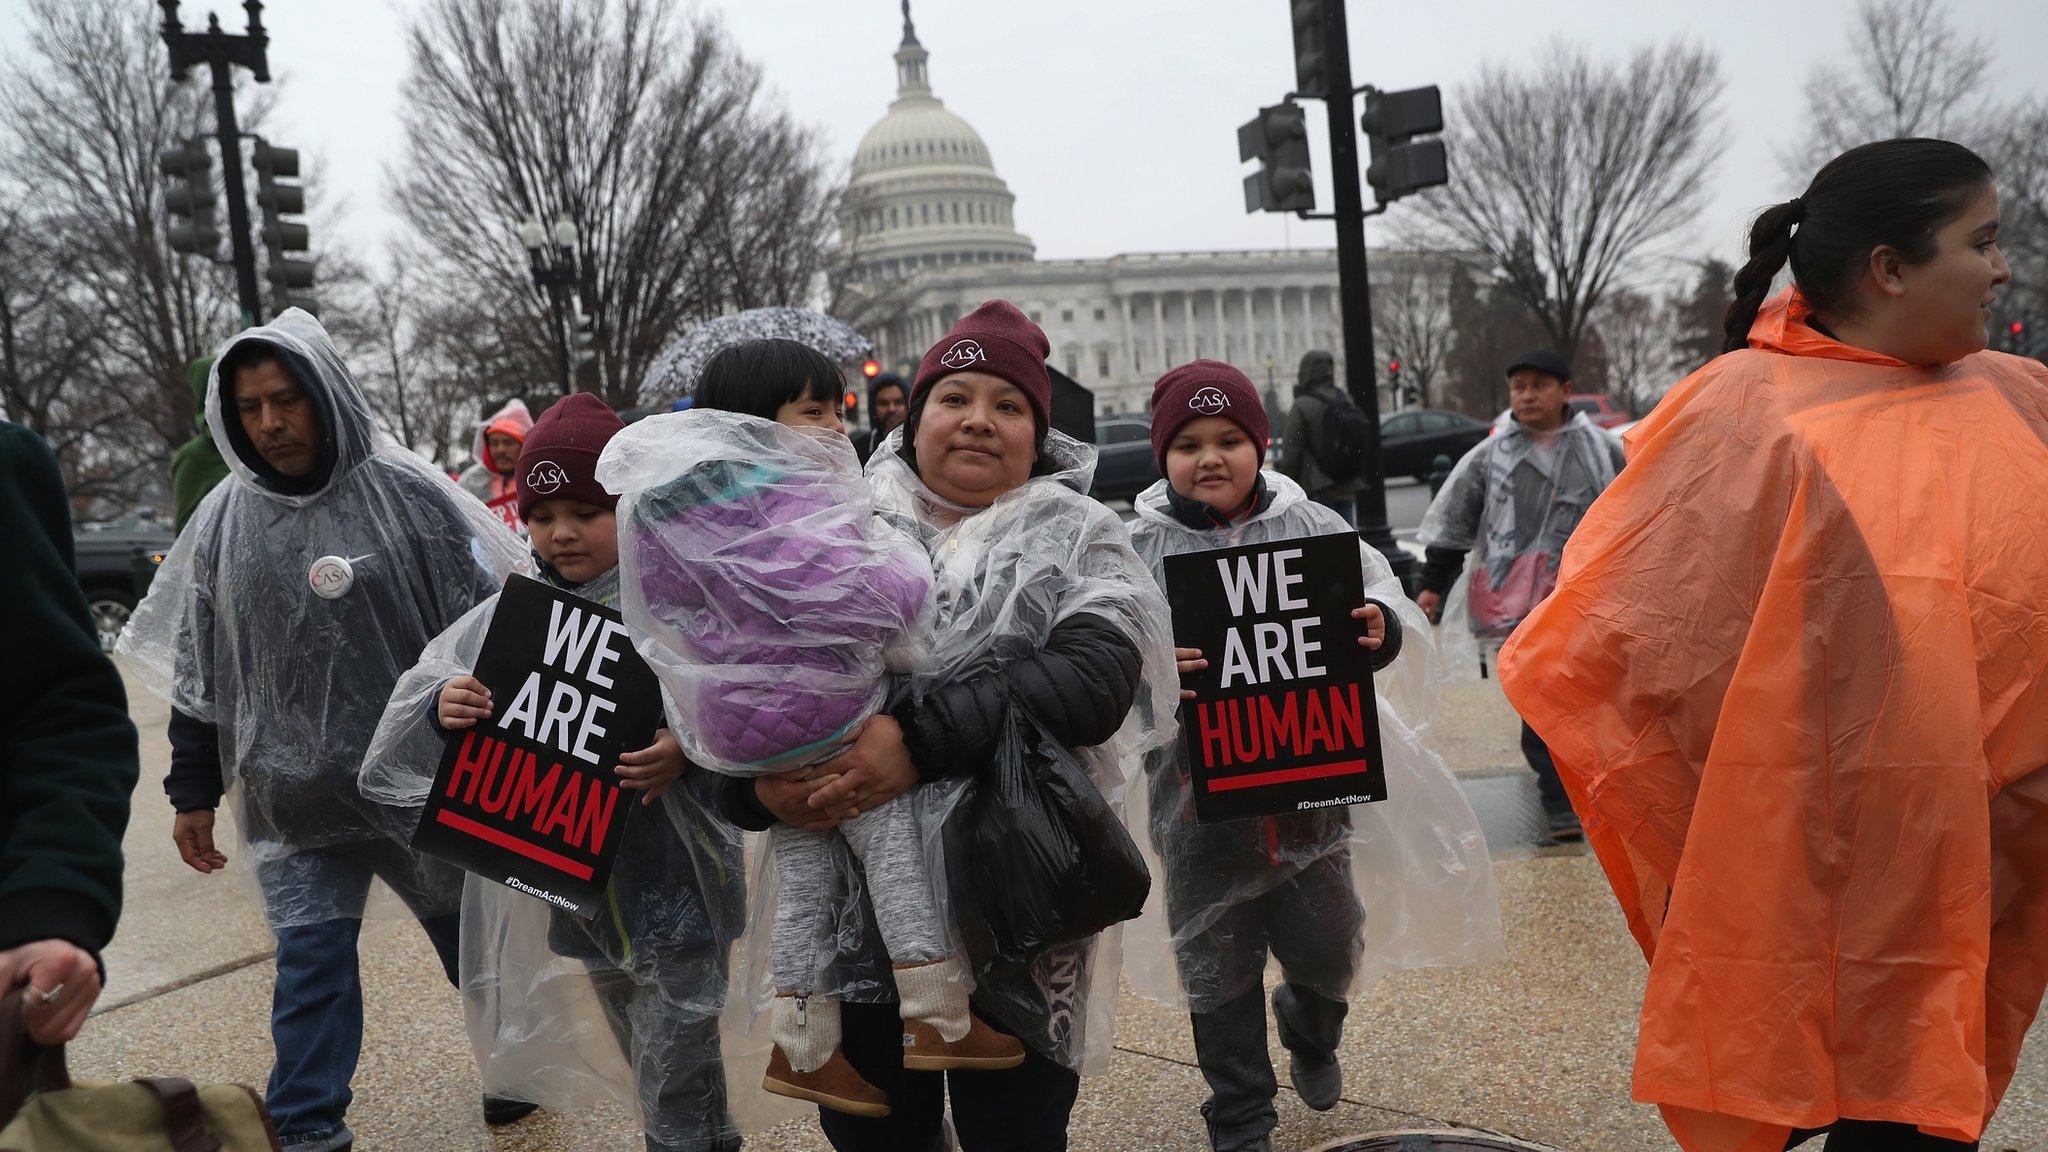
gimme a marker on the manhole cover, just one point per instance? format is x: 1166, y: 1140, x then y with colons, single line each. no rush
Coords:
x: 1431, y: 1140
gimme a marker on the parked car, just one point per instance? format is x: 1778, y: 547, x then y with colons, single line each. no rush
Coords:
x: 1411, y: 441
x: 116, y: 562
x: 1124, y: 465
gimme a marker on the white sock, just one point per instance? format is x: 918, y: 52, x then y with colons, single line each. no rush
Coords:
x: 936, y: 993
x: 806, y: 1028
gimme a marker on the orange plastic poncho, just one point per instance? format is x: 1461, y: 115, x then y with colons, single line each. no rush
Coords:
x: 1793, y: 679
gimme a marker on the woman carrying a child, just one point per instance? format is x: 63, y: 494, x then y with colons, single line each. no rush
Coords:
x: 1042, y: 620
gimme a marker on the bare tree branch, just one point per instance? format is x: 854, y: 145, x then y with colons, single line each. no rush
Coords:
x: 691, y: 193
x: 1908, y: 73
x: 1564, y: 174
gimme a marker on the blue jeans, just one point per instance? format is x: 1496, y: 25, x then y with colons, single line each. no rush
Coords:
x: 316, y: 1011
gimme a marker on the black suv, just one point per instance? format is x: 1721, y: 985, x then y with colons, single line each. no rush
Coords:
x: 116, y: 562
x: 1124, y: 465
x: 1411, y: 441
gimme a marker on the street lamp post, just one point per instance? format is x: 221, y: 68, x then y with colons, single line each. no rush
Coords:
x: 223, y: 52
x: 554, y: 277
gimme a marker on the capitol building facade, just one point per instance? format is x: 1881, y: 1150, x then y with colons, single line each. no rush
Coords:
x: 929, y: 223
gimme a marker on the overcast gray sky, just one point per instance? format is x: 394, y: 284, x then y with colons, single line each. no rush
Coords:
x: 1114, y: 121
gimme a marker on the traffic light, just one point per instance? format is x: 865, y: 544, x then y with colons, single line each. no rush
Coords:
x: 1310, y: 78
x: 1401, y: 164
x: 869, y: 369
x: 1278, y: 139
x: 291, y: 280
x: 189, y: 200
x: 853, y: 398
x: 583, y: 341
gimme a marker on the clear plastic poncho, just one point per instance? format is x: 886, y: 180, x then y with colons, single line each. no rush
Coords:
x: 625, y: 1007
x: 759, y: 584
x: 1417, y: 862
x: 287, y: 610
x: 1510, y: 504
x: 1004, y: 577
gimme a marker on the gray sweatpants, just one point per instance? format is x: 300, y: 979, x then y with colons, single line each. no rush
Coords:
x: 891, y: 853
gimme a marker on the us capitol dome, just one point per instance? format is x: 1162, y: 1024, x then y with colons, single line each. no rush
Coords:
x: 927, y: 235
x: 923, y: 193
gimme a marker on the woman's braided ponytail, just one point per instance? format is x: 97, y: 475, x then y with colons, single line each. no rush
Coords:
x: 1770, y: 247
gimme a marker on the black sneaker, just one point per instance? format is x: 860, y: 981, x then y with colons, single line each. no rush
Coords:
x: 1565, y: 828
x: 502, y: 1110
x: 1319, y: 1082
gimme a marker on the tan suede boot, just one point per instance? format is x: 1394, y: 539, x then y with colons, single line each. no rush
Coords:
x: 981, y: 1049
x: 808, y: 1065
x: 938, y: 1030
x: 833, y: 1085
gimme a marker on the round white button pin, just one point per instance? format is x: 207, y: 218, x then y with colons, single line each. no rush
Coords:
x: 332, y: 577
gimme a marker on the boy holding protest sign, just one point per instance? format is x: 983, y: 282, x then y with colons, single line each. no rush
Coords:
x: 655, y: 954
x: 1339, y: 894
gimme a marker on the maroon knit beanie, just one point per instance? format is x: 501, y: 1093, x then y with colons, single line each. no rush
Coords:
x: 558, y: 461
x: 1205, y: 388
x: 997, y: 339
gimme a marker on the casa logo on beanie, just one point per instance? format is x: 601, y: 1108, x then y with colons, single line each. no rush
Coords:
x: 963, y: 353
x: 1209, y: 401
x: 545, y: 476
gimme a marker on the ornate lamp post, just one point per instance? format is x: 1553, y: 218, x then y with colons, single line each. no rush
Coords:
x: 554, y: 277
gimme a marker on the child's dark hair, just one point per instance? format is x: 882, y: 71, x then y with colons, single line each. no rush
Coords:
x: 757, y: 377
x: 1894, y: 193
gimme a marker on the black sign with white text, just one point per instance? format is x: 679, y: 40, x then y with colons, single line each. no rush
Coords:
x: 528, y: 797
x: 1283, y: 718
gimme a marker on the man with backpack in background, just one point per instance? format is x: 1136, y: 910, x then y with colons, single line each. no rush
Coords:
x: 1323, y: 447
x: 1511, y: 503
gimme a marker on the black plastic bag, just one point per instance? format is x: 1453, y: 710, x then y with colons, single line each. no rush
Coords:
x: 1037, y: 856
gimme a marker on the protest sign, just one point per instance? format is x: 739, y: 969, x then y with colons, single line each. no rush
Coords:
x: 1283, y: 718
x: 528, y: 797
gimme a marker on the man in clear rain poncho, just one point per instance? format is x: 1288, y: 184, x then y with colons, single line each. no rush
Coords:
x: 1512, y: 502
x: 1339, y: 897
x: 300, y: 590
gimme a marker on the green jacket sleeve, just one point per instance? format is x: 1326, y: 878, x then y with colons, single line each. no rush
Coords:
x: 69, y: 761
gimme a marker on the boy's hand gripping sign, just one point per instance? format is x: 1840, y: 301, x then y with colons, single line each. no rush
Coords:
x: 528, y: 797
x: 1283, y: 718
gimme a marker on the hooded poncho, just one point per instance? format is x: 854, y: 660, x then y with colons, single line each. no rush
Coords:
x: 1793, y: 678
x: 234, y: 635
x: 498, y: 490
x: 1418, y: 859
x: 674, y: 906
x: 1003, y: 577
x: 1511, y: 504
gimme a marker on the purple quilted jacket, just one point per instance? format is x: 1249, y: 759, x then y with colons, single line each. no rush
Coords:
x: 781, y: 601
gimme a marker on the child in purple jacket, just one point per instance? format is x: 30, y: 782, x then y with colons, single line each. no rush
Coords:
x: 770, y: 600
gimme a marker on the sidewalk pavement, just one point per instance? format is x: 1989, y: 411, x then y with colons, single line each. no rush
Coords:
x: 1539, y: 1046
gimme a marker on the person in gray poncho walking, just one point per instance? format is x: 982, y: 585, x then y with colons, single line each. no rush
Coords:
x: 1511, y: 504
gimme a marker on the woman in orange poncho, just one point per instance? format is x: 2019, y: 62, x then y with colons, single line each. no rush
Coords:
x: 1793, y: 679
